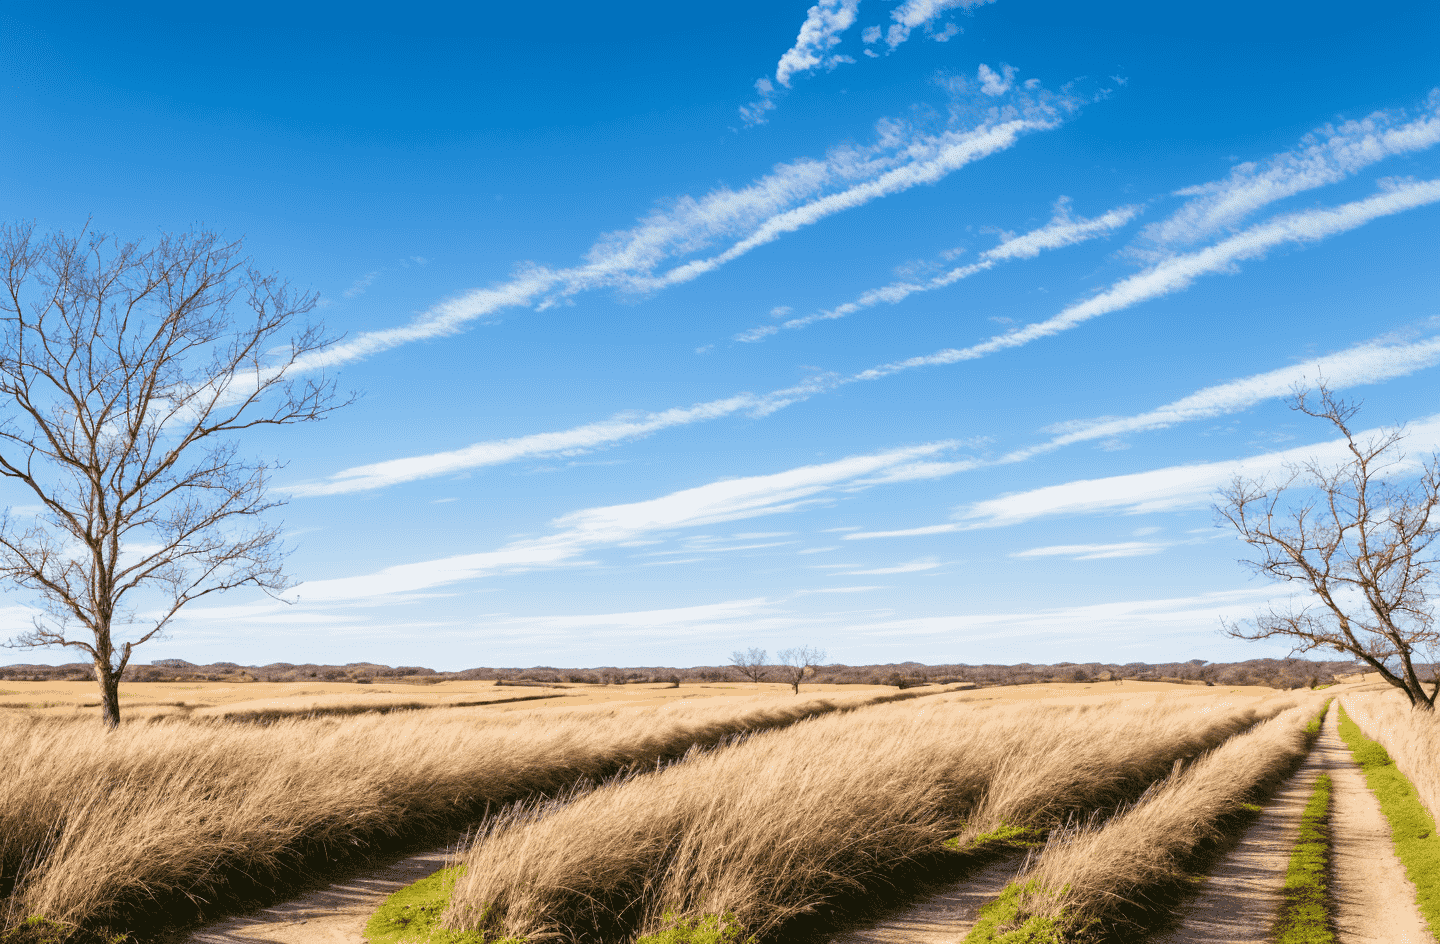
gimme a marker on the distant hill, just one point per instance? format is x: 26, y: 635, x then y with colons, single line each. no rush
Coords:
x: 1277, y: 673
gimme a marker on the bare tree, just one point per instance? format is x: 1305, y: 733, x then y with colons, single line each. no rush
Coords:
x: 794, y: 663
x: 1357, y: 535
x: 127, y: 375
x: 751, y: 663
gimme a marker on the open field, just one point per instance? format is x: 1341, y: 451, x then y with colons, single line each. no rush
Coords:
x: 791, y: 822
x: 813, y: 817
x: 121, y: 828
x: 241, y: 700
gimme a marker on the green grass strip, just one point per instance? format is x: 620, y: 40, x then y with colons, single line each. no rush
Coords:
x: 412, y: 915
x: 999, y: 921
x: 1305, y: 915
x: 1411, y: 827
x: 707, y: 929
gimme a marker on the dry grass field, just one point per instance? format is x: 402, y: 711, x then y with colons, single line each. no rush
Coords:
x: 182, y: 809
x: 1092, y: 874
x: 241, y: 701
x: 791, y: 821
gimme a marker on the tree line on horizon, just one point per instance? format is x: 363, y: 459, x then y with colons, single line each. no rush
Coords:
x: 1277, y: 673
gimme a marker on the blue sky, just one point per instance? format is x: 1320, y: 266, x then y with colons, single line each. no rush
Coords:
x: 911, y: 330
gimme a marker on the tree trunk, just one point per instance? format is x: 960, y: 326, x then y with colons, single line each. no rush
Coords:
x: 109, y: 681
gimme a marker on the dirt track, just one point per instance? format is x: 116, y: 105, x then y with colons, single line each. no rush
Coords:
x: 333, y: 915
x: 944, y: 918
x: 1374, y: 901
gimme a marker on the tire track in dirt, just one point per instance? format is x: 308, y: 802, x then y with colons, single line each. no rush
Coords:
x: 1374, y: 900
x: 944, y: 918
x: 1240, y: 899
x: 335, y: 914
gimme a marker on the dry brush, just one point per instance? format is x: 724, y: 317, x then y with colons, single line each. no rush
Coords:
x: 792, y: 822
x: 104, y: 828
x: 1099, y: 875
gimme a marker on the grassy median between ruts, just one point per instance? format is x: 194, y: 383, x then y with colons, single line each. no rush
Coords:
x: 1305, y: 915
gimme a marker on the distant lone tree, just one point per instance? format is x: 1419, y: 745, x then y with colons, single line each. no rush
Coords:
x: 751, y: 663
x: 1357, y: 535
x: 127, y: 376
x: 794, y: 663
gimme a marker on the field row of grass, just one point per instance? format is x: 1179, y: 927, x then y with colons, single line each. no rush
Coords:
x: 1096, y: 879
x: 190, y: 817
x: 763, y: 837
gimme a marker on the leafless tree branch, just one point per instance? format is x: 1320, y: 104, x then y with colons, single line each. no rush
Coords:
x: 1357, y: 540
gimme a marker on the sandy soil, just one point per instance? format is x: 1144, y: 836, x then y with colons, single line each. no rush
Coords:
x: 1375, y: 902
x: 333, y: 915
x: 944, y: 918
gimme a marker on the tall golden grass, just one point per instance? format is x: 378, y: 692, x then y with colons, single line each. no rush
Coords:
x: 96, y: 827
x: 1098, y: 873
x: 792, y: 821
x: 1409, y: 735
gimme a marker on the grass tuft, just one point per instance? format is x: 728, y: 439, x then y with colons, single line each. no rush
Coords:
x: 1007, y: 836
x: 412, y: 915
x: 1000, y: 921
x: 1305, y: 915
x: 705, y: 929
x: 1411, y: 826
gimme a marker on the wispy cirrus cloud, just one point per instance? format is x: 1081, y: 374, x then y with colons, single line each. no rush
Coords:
x: 911, y: 567
x: 824, y: 24
x: 1370, y: 362
x: 1095, y: 551
x: 824, y: 27
x: 1167, y: 489
x: 620, y: 525
x: 916, y: 14
x: 791, y: 197
x: 1177, y: 273
x: 1325, y: 156
x: 1366, y: 363
x: 1062, y: 230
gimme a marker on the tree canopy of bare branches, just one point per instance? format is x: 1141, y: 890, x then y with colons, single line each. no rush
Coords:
x: 794, y: 663
x: 127, y: 377
x: 753, y: 663
x: 1357, y: 536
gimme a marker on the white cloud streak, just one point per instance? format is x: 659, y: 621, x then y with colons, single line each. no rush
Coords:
x: 824, y: 24
x: 791, y: 197
x: 1095, y: 551
x: 1180, y: 272
x: 1169, y: 616
x: 1062, y: 230
x: 1366, y: 363
x: 618, y: 525
x: 913, y: 567
x: 1174, y: 487
x: 913, y: 14
x: 1325, y: 156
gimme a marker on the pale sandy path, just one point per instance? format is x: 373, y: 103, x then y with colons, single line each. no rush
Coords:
x: 944, y: 918
x: 335, y: 914
x: 1374, y: 901
x: 1240, y: 899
